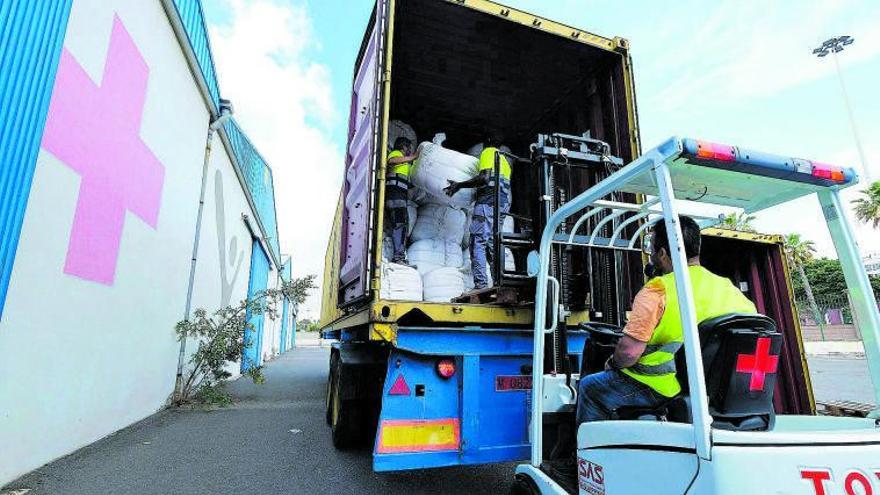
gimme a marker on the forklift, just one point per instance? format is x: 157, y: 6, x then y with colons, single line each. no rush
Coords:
x: 721, y: 434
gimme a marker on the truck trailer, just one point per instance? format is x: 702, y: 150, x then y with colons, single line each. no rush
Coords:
x: 442, y: 384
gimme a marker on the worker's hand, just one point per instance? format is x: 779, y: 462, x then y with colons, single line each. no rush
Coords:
x: 452, y: 188
x: 608, y: 365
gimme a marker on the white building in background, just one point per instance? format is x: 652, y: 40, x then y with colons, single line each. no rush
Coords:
x: 103, y: 168
x: 872, y: 263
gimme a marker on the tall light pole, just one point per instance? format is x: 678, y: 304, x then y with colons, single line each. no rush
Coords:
x: 835, y: 46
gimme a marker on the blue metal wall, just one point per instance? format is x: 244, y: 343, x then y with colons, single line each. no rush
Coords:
x: 258, y: 177
x: 258, y: 282
x: 31, y: 37
x: 193, y: 19
x: 284, y: 314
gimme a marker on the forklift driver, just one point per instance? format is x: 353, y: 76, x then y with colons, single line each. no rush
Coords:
x: 641, y: 371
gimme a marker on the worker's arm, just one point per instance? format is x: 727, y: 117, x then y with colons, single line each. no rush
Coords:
x: 397, y: 160
x: 627, y: 352
x: 479, y: 180
x: 647, y: 309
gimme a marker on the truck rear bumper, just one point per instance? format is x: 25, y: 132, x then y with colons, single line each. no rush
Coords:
x: 478, y: 415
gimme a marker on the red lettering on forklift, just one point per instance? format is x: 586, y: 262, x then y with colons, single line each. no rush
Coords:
x: 857, y: 478
x: 591, y: 477
x: 818, y: 477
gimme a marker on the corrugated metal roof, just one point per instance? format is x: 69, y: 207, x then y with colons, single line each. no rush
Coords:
x: 31, y: 37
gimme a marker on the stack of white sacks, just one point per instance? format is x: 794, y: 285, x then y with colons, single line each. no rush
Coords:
x: 439, y: 236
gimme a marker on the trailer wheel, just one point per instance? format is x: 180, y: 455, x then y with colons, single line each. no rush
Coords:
x: 328, y: 403
x: 344, y: 422
x: 523, y: 485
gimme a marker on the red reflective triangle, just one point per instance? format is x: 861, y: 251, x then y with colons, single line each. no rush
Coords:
x: 400, y: 387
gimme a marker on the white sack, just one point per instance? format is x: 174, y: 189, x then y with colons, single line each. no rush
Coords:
x: 412, y: 216
x: 398, y: 129
x: 430, y: 254
x: 434, y: 169
x: 400, y: 283
x: 443, y: 284
x: 439, y: 222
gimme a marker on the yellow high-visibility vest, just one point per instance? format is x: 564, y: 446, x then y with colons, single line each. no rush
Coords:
x: 400, y: 168
x: 487, y: 162
x: 713, y: 296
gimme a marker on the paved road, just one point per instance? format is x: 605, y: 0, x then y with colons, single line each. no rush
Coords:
x: 841, y: 378
x: 274, y: 440
x: 248, y: 448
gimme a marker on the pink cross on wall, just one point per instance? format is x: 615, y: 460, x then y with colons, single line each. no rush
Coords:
x: 95, y: 130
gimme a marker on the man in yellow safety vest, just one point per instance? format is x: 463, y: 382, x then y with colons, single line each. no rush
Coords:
x: 482, y: 231
x: 396, y: 195
x: 641, y: 372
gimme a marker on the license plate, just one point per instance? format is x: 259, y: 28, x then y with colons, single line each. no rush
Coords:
x: 509, y: 383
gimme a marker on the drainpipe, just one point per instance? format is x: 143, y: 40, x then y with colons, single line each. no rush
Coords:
x: 225, y: 114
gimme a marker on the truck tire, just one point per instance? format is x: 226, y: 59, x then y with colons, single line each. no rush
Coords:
x: 344, y: 421
x: 331, y: 373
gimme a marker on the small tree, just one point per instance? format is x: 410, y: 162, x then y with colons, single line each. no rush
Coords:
x: 799, y: 252
x: 868, y: 208
x: 223, y: 338
x: 738, y: 221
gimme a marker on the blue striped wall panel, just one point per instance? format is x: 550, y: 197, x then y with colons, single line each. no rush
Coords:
x: 31, y: 38
x: 193, y: 19
x: 258, y: 282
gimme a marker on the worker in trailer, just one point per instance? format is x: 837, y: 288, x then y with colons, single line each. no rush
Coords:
x: 641, y: 372
x: 482, y: 232
x: 396, y: 195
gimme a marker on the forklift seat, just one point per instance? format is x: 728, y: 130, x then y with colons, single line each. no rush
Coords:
x: 740, y: 360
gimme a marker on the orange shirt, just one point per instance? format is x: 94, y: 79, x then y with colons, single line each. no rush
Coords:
x: 647, y: 309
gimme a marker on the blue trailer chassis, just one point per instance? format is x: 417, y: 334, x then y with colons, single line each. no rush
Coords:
x: 479, y: 415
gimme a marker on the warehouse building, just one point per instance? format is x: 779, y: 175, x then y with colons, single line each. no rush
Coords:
x: 120, y: 164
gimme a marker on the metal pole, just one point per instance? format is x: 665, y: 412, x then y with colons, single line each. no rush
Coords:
x: 701, y: 418
x: 859, y: 287
x: 603, y: 188
x: 496, y: 228
x: 869, y: 178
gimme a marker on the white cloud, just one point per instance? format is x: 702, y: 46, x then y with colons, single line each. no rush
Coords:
x: 283, y: 101
x: 745, y: 49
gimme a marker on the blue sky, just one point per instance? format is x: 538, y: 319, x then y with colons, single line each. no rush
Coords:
x: 733, y: 71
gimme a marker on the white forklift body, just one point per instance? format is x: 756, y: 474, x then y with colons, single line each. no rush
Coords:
x: 811, y: 455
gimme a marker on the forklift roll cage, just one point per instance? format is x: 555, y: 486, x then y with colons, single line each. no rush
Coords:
x: 671, y: 176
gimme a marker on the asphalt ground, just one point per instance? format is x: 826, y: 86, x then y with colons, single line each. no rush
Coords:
x: 274, y: 440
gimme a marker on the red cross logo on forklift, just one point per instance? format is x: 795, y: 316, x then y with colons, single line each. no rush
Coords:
x: 758, y: 364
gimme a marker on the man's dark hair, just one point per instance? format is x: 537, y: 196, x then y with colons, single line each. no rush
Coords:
x: 402, y: 141
x: 493, y: 140
x: 690, y: 231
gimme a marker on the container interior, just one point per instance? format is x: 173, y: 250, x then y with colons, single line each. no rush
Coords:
x: 466, y: 73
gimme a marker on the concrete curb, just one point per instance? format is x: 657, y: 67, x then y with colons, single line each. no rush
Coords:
x: 843, y: 348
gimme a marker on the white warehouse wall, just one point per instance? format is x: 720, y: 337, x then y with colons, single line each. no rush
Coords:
x: 87, y: 350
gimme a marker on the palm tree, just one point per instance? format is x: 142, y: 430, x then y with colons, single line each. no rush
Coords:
x: 868, y: 208
x: 738, y: 221
x: 799, y: 252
